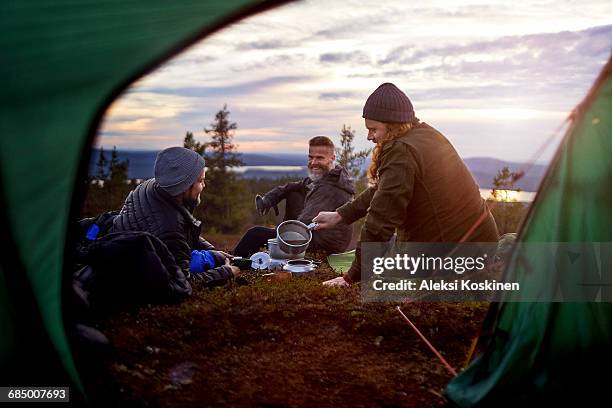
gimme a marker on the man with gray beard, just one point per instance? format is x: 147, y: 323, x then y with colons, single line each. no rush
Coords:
x: 327, y: 187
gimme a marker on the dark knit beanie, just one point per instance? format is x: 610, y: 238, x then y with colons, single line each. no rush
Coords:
x: 177, y: 168
x: 388, y: 104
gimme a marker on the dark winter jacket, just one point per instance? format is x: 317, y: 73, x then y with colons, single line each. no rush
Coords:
x: 151, y: 209
x: 424, y: 191
x: 126, y: 269
x: 333, y: 190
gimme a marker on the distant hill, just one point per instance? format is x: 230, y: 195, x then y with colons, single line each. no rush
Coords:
x: 142, y: 161
x: 483, y: 168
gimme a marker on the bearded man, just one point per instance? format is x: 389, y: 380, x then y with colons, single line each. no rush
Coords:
x: 327, y: 187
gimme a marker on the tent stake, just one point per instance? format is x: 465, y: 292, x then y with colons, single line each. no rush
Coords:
x: 431, y: 347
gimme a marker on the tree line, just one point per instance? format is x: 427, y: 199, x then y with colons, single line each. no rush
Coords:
x: 227, y: 201
x: 228, y: 198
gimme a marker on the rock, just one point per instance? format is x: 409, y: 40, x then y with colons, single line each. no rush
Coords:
x: 181, y: 374
x: 152, y: 350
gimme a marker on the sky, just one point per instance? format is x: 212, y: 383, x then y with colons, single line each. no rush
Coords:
x: 496, y: 78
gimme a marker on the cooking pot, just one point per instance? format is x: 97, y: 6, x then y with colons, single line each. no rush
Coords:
x: 277, y: 253
x: 300, y: 267
x: 293, y: 236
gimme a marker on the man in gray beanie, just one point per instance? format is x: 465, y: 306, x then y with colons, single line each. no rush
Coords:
x: 420, y: 187
x: 163, y: 206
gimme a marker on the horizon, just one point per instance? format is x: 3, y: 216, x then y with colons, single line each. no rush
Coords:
x: 142, y: 150
x: 496, y: 80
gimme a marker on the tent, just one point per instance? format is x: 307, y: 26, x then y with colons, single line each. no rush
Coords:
x: 64, y: 62
x: 556, y: 351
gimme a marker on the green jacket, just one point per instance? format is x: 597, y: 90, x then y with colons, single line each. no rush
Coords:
x: 425, y: 192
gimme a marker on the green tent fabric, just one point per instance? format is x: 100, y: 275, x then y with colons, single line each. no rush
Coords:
x: 62, y: 63
x: 545, y: 352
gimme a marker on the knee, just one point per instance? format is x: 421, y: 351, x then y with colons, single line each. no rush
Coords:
x: 257, y: 230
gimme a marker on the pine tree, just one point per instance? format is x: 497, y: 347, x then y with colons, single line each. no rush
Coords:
x: 351, y: 160
x: 111, y: 194
x: 508, y: 212
x: 222, y: 151
x: 190, y: 143
x: 346, y: 155
x: 101, y: 173
x: 225, y: 204
x: 114, y: 158
x: 117, y: 187
x: 118, y: 170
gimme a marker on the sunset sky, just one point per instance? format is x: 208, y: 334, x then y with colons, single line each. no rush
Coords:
x: 495, y: 78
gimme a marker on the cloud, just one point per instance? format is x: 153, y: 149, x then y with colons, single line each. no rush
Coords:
x: 334, y: 96
x: 514, y: 50
x: 190, y: 58
x: 265, y: 45
x: 243, y: 88
x: 265, y: 146
x: 458, y: 11
x: 530, y: 70
x: 356, y: 57
x: 276, y: 62
x: 478, y: 72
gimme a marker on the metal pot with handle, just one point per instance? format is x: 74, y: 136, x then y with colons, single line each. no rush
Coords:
x: 277, y: 253
x: 293, y: 236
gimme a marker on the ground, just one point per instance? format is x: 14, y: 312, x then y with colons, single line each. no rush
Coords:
x: 286, y: 343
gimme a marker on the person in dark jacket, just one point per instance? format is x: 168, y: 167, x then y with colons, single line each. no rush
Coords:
x: 163, y: 206
x: 420, y: 187
x: 327, y: 187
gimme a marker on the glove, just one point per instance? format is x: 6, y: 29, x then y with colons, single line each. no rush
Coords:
x: 201, y: 261
x: 263, y: 205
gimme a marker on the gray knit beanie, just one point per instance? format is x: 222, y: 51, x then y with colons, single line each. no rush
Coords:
x: 177, y: 168
x: 388, y: 104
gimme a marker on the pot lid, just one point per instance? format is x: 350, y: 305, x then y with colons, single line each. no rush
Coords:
x: 299, y: 265
x: 260, y: 260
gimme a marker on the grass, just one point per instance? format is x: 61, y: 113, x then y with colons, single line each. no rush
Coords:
x: 287, y: 343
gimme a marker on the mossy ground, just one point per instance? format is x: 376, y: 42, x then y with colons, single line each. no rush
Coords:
x: 285, y: 343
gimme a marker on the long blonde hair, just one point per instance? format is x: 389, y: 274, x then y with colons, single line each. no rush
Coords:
x: 394, y: 130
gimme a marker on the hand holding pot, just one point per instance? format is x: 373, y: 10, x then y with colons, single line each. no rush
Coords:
x: 326, y: 219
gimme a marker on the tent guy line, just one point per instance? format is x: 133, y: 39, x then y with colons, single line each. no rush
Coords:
x: 431, y: 347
